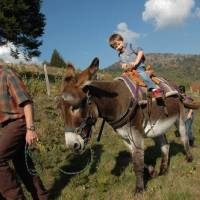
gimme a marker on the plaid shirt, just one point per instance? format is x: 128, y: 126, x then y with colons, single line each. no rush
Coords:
x: 13, y: 93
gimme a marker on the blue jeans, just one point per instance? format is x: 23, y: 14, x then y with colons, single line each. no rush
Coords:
x: 188, y: 124
x: 145, y: 77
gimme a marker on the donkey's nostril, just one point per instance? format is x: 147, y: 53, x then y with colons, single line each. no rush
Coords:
x: 76, y: 146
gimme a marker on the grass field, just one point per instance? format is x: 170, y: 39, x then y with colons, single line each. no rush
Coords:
x: 110, y: 175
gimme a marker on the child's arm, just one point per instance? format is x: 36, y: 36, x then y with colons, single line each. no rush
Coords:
x: 131, y: 65
x: 138, y: 59
x: 189, y: 116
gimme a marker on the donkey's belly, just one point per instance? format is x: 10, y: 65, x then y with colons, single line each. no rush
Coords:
x: 161, y: 126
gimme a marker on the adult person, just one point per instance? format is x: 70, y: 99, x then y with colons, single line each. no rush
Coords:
x: 189, y: 116
x: 16, y: 129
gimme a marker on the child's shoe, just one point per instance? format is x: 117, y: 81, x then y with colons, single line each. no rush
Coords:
x: 157, y: 93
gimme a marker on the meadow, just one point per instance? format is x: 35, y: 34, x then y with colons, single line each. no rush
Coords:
x: 110, y: 175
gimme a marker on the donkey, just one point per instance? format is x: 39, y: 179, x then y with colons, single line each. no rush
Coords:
x: 82, y: 101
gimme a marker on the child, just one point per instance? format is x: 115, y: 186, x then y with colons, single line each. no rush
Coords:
x: 133, y: 58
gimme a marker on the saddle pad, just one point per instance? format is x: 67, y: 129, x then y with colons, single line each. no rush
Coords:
x: 140, y: 93
x: 137, y: 92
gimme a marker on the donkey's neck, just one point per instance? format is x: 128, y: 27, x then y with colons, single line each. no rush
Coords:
x: 113, y: 100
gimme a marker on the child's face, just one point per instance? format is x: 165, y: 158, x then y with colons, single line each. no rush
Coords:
x: 118, y: 45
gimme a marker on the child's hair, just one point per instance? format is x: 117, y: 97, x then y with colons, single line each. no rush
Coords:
x: 113, y: 38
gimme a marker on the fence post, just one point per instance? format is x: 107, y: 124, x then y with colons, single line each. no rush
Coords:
x: 47, y: 80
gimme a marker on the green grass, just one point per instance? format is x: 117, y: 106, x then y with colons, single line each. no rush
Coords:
x: 110, y: 176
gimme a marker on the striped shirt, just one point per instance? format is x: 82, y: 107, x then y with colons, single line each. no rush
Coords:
x: 13, y: 93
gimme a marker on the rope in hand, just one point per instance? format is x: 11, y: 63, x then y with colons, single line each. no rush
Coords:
x: 31, y: 171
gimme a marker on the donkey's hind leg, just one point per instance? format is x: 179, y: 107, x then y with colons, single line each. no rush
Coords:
x: 165, y: 155
x: 162, y: 142
x: 183, y: 134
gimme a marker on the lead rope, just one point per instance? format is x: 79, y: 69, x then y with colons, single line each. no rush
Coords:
x: 33, y: 172
x: 82, y: 170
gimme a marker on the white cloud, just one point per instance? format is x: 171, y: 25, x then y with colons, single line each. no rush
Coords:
x: 166, y: 13
x: 5, y: 55
x: 197, y: 12
x: 127, y: 34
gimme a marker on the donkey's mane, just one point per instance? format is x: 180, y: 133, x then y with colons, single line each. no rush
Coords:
x: 102, y: 89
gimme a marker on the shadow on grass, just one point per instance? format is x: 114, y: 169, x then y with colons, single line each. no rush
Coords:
x: 122, y: 161
x: 76, y: 164
x: 152, y: 153
x: 176, y: 148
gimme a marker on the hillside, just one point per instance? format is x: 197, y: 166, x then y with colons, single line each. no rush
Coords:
x: 175, y: 67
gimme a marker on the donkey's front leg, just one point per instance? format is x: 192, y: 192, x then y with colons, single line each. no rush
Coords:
x: 138, y: 163
x: 134, y: 141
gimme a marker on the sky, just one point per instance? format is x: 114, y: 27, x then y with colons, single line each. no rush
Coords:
x: 79, y: 29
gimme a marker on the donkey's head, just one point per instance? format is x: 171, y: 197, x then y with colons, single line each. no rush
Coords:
x: 77, y: 109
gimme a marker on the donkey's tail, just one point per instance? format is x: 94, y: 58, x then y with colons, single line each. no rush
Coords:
x: 192, y: 105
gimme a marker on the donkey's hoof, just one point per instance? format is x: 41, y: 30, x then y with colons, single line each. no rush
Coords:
x: 163, y: 172
x: 189, y: 158
x: 138, y: 190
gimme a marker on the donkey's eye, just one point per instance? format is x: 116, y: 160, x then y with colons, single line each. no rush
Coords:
x: 74, y: 109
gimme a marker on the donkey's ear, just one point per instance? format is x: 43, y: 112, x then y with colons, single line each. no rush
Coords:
x: 70, y: 74
x: 89, y: 73
x: 70, y: 70
x: 94, y: 66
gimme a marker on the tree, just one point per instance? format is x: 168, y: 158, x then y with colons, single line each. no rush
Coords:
x: 21, y: 23
x: 57, y: 60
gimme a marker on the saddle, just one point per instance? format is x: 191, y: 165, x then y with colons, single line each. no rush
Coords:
x: 133, y: 74
x: 138, y: 88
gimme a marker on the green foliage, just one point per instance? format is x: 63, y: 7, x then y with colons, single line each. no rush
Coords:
x: 57, y: 60
x: 21, y: 23
x: 35, y: 84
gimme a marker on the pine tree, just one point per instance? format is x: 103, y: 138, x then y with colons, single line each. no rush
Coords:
x: 21, y: 23
x: 57, y: 60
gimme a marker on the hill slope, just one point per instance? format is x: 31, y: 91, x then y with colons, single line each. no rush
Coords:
x: 175, y: 67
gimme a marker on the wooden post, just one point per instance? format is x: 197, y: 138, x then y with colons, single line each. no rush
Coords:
x: 47, y: 80
x: 191, y: 89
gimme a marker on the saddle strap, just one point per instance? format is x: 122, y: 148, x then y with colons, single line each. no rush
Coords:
x: 130, y: 113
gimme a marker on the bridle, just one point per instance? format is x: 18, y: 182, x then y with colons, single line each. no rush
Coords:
x: 88, y: 121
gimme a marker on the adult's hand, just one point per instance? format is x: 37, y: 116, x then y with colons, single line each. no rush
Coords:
x: 31, y: 137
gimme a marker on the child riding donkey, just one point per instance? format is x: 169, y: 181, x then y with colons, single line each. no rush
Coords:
x: 132, y: 58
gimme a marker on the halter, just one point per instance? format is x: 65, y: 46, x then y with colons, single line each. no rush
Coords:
x: 87, y: 122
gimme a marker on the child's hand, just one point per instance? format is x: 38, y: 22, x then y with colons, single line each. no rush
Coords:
x: 189, y: 116
x: 132, y: 65
x: 126, y: 67
x: 123, y: 65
